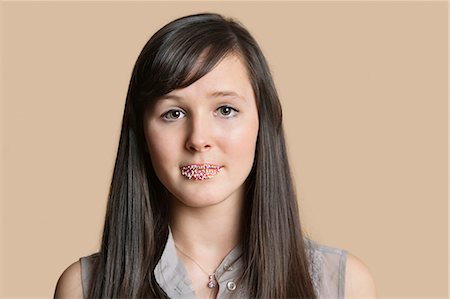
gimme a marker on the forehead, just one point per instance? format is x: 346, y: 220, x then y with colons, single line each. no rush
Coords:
x: 229, y: 76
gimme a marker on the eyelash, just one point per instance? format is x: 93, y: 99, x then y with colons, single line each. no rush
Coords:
x: 166, y: 115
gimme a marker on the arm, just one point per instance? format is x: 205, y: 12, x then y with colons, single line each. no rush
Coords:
x: 69, y: 284
x: 359, y: 282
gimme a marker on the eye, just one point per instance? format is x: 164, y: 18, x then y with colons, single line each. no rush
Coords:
x: 173, y: 115
x: 226, y: 111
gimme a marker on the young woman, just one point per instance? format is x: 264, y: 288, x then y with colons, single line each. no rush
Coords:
x: 201, y: 202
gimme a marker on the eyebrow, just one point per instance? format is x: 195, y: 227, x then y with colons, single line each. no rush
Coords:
x: 215, y: 94
x: 226, y: 94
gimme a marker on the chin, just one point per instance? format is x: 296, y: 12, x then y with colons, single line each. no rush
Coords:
x: 200, y: 200
x: 198, y: 205
x: 204, y: 193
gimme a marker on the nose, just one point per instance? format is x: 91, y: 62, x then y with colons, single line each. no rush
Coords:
x: 199, y: 135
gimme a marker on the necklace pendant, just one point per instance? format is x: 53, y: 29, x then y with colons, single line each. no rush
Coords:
x: 211, y: 283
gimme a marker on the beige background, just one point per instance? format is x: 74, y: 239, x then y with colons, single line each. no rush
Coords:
x: 364, y: 91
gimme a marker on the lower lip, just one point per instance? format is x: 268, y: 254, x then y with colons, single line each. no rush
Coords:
x: 200, y: 172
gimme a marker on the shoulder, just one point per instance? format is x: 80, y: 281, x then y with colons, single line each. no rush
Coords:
x: 69, y: 283
x: 326, y: 258
x: 359, y: 282
x: 327, y: 268
x: 336, y: 273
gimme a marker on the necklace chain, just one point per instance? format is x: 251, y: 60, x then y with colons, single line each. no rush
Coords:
x: 211, y: 283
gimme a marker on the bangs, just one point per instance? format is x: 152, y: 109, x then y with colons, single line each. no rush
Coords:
x: 182, y: 57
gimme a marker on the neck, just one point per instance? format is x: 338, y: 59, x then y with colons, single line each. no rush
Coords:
x: 207, y: 233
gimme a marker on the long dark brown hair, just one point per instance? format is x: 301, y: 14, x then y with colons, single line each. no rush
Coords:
x: 276, y: 263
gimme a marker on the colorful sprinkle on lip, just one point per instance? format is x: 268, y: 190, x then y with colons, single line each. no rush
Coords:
x: 200, y: 172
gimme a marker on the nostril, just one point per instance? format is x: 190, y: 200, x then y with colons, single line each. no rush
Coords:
x: 198, y: 147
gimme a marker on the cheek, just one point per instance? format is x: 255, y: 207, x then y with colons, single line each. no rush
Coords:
x: 161, y: 149
x: 242, y: 140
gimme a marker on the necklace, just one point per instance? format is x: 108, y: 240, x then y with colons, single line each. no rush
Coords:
x: 211, y: 283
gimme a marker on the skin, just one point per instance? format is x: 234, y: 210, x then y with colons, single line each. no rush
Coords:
x: 214, y: 120
x: 206, y: 215
x: 359, y: 282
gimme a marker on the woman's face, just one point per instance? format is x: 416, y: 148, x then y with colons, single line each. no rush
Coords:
x: 202, y: 138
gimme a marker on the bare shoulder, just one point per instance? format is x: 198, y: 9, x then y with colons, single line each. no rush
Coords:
x: 69, y: 284
x: 359, y: 282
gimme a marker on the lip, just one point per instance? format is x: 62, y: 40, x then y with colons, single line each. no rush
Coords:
x: 200, y: 171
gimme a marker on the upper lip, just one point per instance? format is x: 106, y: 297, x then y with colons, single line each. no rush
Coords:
x: 201, y: 163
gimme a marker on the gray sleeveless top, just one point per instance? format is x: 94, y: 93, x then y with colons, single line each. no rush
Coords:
x: 327, y: 268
